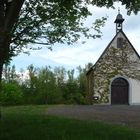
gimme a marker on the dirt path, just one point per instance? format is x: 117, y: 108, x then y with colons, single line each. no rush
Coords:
x: 124, y: 115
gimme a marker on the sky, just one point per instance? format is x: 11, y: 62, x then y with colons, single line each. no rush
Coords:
x: 77, y: 54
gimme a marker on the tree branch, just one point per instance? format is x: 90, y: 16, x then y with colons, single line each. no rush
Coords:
x: 41, y: 43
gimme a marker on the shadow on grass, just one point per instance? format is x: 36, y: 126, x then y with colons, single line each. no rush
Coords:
x: 30, y: 123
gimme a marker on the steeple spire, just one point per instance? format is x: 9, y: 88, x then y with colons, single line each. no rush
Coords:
x: 119, y: 20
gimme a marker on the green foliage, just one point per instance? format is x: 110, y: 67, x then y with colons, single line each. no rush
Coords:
x: 44, y: 86
x: 131, y: 5
x: 11, y: 94
x: 49, y: 22
x: 9, y: 74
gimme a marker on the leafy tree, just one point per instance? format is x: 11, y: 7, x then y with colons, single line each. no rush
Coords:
x: 32, y: 76
x: 70, y: 87
x: 29, y: 86
x: 81, y: 79
x: 9, y: 74
x: 42, y: 86
x: 11, y: 94
x: 46, y: 85
x: 60, y: 75
x: 54, y: 86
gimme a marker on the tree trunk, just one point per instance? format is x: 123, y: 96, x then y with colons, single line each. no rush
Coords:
x: 9, y: 13
x: 4, y: 52
x: 1, y: 68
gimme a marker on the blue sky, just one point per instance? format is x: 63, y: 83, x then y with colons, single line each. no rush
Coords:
x: 80, y: 54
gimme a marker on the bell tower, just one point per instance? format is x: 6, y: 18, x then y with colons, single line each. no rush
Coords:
x: 119, y: 20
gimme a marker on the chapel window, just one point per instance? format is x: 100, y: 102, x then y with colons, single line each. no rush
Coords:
x: 119, y: 42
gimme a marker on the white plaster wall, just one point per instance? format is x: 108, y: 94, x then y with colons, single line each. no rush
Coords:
x: 134, y: 92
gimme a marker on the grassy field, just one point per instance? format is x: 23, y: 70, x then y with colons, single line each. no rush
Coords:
x: 31, y: 123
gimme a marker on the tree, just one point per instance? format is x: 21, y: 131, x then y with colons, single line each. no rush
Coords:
x: 60, y: 75
x: 9, y: 74
x: 32, y: 76
x: 82, y: 79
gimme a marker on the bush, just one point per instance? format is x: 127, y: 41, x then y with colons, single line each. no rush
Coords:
x: 11, y: 94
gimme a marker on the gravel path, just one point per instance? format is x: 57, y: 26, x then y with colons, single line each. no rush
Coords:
x: 120, y: 114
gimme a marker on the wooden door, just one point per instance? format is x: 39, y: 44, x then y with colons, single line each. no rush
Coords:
x: 119, y: 91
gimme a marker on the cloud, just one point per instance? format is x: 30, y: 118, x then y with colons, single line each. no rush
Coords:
x: 73, y: 56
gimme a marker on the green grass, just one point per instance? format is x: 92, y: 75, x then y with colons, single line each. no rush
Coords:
x: 31, y: 123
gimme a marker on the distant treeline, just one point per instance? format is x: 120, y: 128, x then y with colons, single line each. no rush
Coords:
x: 44, y: 85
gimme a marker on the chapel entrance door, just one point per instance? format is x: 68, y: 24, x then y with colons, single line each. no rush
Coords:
x: 119, y: 91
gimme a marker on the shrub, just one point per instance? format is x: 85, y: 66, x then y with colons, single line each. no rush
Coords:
x: 11, y: 94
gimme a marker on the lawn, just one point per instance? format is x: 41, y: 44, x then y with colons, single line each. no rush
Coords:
x: 31, y: 123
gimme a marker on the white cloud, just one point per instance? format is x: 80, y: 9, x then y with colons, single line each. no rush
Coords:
x: 73, y: 56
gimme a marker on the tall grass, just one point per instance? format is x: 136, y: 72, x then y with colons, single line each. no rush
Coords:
x: 31, y: 123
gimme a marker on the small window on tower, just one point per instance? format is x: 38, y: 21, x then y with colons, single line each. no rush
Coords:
x: 119, y: 42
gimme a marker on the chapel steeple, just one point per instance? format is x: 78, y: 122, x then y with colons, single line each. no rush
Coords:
x: 119, y: 20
